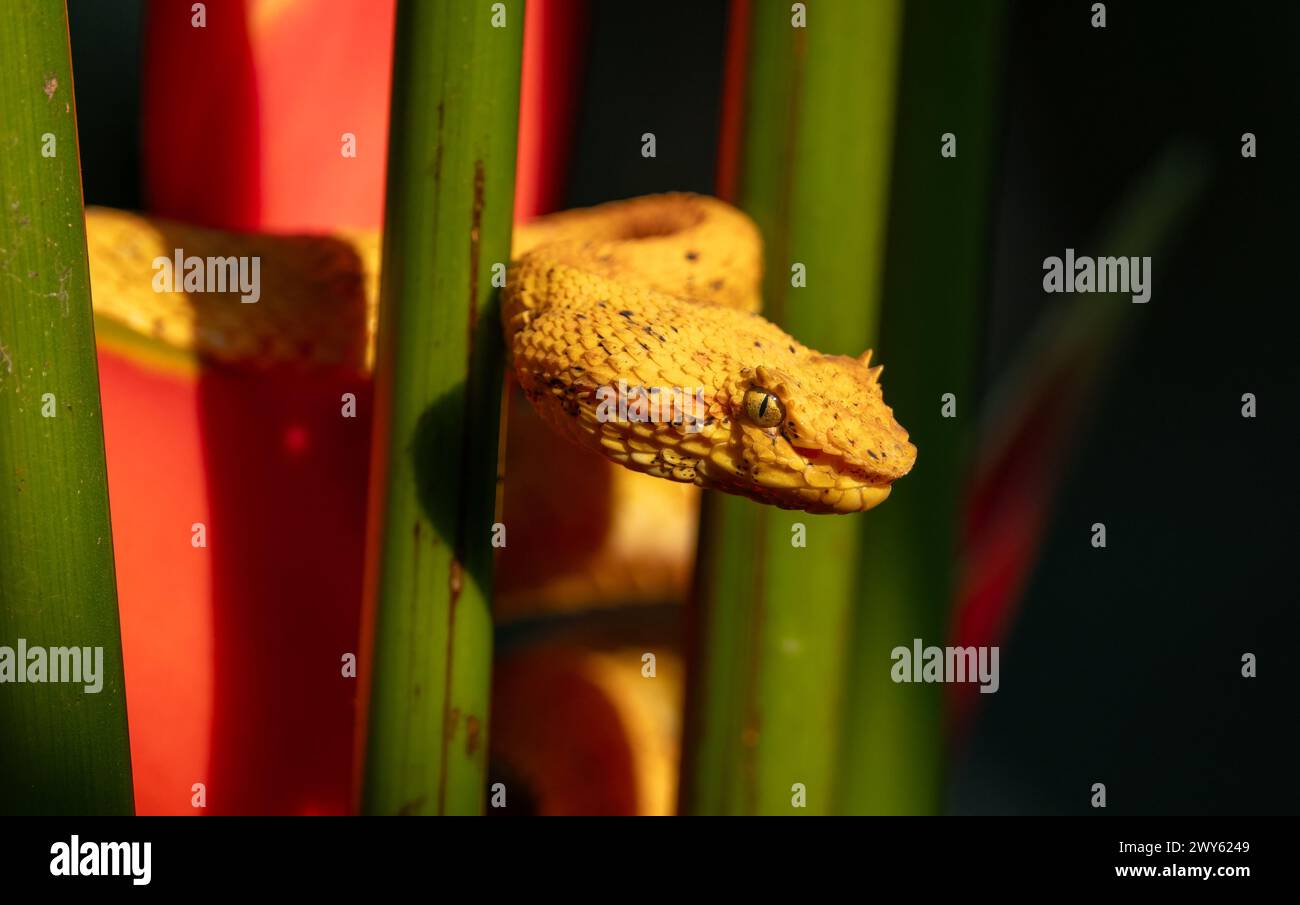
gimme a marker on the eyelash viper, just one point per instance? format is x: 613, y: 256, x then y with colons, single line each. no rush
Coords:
x: 662, y: 293
x: 655, y: 292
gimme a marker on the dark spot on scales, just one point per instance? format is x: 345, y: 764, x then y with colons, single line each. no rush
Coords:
x: 627, y: 314
x: 692, y: 255
x: 757, y: 344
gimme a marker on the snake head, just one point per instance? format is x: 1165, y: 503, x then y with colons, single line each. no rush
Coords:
x: 822, y: 441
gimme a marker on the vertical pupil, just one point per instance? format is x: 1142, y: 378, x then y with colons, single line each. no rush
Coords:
x: 762, y: 409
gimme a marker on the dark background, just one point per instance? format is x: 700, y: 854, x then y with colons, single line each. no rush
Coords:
x: 1122, y: 668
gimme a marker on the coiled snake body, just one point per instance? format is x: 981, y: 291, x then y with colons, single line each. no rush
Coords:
x: 655, y: 295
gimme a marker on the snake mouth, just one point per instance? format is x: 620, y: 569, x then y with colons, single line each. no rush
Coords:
x: 812, y: 455
x: 858, y: 474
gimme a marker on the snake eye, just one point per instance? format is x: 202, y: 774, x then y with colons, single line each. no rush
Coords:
x: 763, y: 408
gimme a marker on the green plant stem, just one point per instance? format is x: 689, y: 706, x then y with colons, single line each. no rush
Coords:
x: 771, y: 618
x: 62, y: 750
x: 438, y: 393
x: 935, y: 282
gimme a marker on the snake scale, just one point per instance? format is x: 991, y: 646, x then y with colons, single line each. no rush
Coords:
x: 650, y: 295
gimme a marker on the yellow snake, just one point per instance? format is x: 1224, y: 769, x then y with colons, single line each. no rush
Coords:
x: 641, y: 298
